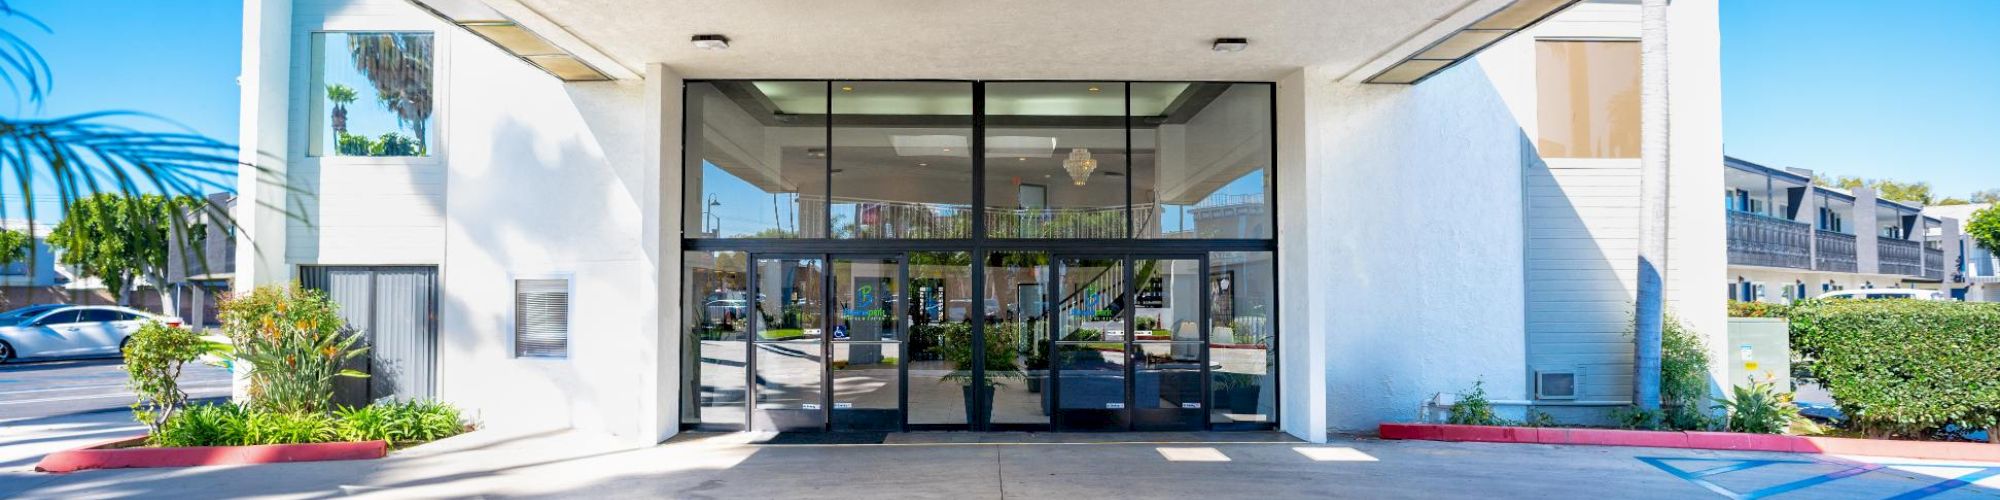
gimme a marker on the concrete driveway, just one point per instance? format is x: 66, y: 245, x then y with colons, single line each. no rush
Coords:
x: 569, y: 464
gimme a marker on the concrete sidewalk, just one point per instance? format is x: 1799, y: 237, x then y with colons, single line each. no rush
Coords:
x: 567, y: 464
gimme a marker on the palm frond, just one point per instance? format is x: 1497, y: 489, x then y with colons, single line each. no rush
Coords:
x: 21, y: 66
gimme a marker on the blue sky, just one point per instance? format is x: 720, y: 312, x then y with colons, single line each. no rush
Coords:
x: 177, y: 59
x: 1846, y: 87
x: 1904, y: 90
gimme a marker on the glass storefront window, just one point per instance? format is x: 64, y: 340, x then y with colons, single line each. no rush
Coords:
x: 811, y: 328
x: 715, y: 324
x: 902, y: 160
x: 1055, y: 160
x: 755, y: 160
x: 374, y: 94
x: 1243, y: 339
x: 1202, y: 160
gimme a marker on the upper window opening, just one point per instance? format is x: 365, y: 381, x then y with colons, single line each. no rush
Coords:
x: 371, y: 94
x: 1588, y: 98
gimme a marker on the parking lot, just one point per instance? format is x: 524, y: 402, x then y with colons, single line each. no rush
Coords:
x: 54, y: 388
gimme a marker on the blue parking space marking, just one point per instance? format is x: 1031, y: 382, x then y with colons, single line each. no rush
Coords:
x: 1700, y: 476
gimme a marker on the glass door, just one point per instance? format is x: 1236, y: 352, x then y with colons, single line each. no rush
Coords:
x: 787, y: 348
x: 1168, y: 356
x: 937, y: 301
x: 866, y: 344
x: 1092, y: 371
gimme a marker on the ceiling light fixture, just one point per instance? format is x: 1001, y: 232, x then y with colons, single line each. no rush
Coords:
x: 1079, y: 165
x: 711, y: 42
x: 1094, y: 89
x: 846, y: 88
x: 1230, y: 44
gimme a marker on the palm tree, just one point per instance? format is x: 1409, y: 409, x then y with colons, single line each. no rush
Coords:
x: 1653, y: 148
x: 341, y: 96
x: 399, y: 66
x: 92, y: 153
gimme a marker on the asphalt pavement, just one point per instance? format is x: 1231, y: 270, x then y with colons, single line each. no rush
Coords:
x: 55, y: 388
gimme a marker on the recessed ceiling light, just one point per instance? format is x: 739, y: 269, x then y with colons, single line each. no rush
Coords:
x: 711, y: 42
x: 1094, y: 89
x: 947, y: 150
x: 1021, y: 159
x: 846, y: 88
x: 922, y: 164
x: 1230, y: 44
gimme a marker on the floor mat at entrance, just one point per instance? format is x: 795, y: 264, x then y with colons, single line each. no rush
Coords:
x: 795, y: 438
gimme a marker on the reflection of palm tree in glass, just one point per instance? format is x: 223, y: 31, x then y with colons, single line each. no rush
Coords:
x: 398, y: 65
x: 341, y: 96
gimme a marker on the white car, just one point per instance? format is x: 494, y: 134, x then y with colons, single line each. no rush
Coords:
x: 63, y: 331
x: 1886, y: 293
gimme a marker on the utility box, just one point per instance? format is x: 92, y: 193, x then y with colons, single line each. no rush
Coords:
x: 1760, y: 348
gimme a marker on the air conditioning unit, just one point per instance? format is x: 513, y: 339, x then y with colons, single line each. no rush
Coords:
x: 1555, y: 384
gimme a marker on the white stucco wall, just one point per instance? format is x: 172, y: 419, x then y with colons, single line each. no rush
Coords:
x: 551, y: 179
x: 530, y: 177
x: 1403, y: 250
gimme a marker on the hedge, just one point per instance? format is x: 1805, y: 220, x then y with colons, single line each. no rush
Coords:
x: 1904, y: 367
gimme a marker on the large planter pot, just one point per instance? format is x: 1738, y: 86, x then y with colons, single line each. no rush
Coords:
x: 985, y: 409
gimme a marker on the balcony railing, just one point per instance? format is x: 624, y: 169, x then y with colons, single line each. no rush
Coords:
x: 1900, y: 257
x: 1934, y: 264
x: 1756, y: 240
x: 1836, y: 252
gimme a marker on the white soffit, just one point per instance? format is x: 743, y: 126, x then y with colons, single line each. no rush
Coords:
x: 1000, y: 40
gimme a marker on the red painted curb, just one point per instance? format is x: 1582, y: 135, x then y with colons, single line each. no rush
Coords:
x: 1694, y: 440
x: 108, y: 456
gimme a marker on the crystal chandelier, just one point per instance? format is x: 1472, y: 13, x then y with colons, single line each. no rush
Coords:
x: 1079, y: 165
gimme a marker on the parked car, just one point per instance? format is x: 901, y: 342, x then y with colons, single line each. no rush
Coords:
x: 1886, y: 293
x: 64, y: 331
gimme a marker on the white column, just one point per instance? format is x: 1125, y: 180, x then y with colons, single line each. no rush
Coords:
x: 1302, y: 279
x: 1698, y: 240
x: 264, y: 128
x: 662, y: 396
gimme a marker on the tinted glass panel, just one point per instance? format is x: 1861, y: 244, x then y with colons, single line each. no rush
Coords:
x: 788, y: 301
x: 1055, y: 160
x: 902, y: 160
x: 100, y: 316
x: 716, y: 323
x: 1092, y: 378
x: 866, y: 385
x: 1201, y: 160
x: 373, y: 94
x: 1168, y: 304
x: 1587, y: 96
x: 788, y: 386
x: 1166, y: 385
x: 940, y: 366
x: 1017, y: 333
x: 1243, y: 339
x: 755, y: 160
x: 59, y: 317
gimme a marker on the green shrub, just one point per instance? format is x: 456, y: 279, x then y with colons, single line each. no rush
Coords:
x: 1904, y: 367
x: 1472, y: 407
x: 414, y: 421
x: 230, y: 424
x: 1632, y: 417
x: 153, y: 359
x: 203, y: 425
x: 278, y: 427
x: 1740, y: 309
x: 1684, y: 381
x: 293, y: 342
x: 1758, y: 408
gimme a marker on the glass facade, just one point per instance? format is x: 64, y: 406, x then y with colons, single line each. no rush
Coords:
x: 894, y: 255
